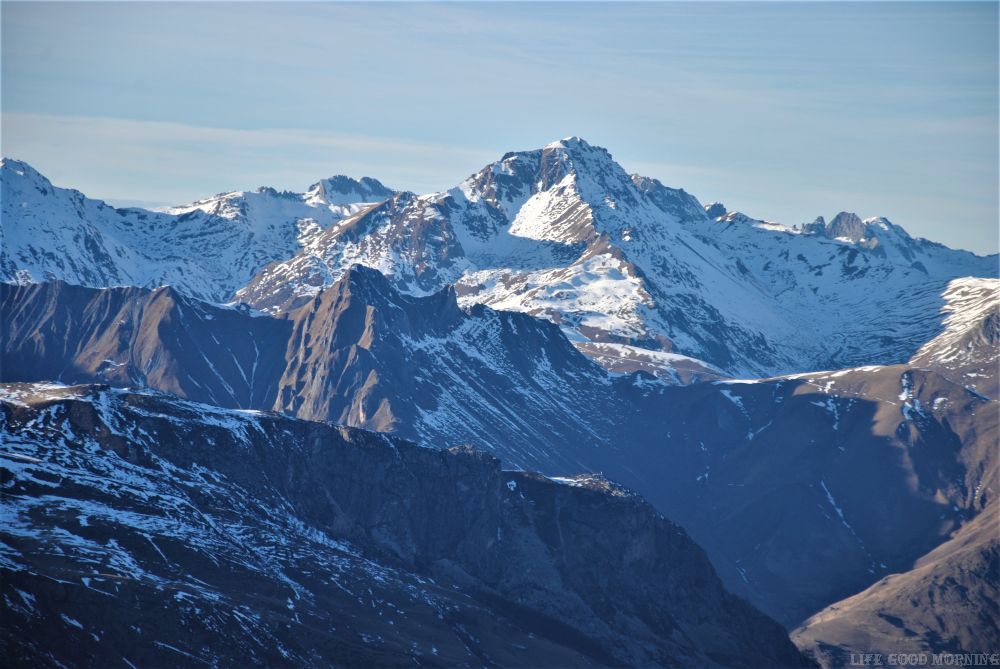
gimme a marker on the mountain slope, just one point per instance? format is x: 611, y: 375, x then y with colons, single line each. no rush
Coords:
x: 949, y: 602
x: 207, y: 250
x: 803, y: 489
x: 180, y: 532
x: 136, y: 337
x: 968, y: 350
x: 946, y: 601
x: 811, y: 488
x: 361, y: 353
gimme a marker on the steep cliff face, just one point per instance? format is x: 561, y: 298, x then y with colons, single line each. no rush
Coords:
x: 363, y: 354
x: 144, y: 527
x: 350, y: 355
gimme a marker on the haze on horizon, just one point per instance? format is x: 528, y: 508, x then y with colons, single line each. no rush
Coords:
x: 785, y: 111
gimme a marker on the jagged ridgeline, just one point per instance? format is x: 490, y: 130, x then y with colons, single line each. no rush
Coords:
x: 552, y: 311
x: 636, y: 274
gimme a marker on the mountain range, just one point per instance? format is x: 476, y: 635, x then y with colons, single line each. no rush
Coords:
x: 362, y: 354
x: 568, y: 318
x: 562, y: 232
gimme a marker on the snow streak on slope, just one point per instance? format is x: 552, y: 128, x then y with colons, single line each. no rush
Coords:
x: 968, y: 350
x: 971, y: 307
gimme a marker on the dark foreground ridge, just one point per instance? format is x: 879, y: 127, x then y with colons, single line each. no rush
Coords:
x: 144, y: 530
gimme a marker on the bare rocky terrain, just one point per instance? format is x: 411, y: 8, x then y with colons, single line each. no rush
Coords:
x: 803, y: 489
x: 267, y: 428
x: 145, y: 530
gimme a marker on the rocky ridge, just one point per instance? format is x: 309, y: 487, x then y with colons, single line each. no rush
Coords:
x: 235, y: 537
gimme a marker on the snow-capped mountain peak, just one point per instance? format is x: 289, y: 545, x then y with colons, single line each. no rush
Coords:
x: 21, y: 169
x: 570, y: 142
x: 561, y: 232
x: 568, y: 192
x: 520, y: 174
x: 343, y: 190
x: 208, y: 248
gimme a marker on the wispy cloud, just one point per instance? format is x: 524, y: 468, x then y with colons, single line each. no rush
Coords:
x: 771, y: 107
x: 93, y: 151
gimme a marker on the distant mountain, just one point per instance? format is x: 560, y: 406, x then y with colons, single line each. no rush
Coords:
x: 143, y: 530
x: 564, y: 233
x: 208, y: 249
x: 803, y: 489
x: 629, y: 268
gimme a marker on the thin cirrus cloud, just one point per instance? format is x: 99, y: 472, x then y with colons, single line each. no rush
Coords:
x: 151, y: 163
x: 227, y: 158
x: 782, y: 110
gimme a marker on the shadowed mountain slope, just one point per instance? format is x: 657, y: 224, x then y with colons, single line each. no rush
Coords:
x: 143, y: 529
x: 949, y: 602
x: 803, y: 490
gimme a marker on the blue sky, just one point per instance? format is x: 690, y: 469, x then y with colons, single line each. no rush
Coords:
x: 783, y: 110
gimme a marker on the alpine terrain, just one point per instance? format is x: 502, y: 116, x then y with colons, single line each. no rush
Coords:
x: 555, y: 415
